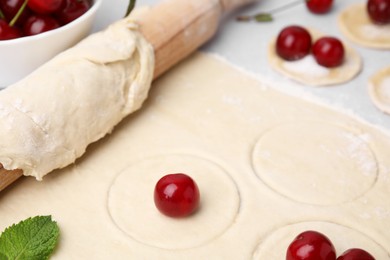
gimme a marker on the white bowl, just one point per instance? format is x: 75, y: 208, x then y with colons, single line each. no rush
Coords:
x: 19, y: 57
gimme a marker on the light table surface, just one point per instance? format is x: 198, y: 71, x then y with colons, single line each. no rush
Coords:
x: 245, y: 45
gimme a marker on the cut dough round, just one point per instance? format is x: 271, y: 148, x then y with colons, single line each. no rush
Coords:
x: 355, y: 23
x: 379, y: 89
x: 316, y: 163
x: 130, y: 200
x: 308, y: 72
x: 275, y: 245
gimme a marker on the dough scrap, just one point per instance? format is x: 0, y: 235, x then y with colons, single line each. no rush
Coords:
x: 207, y: 109
x: 50, y: 117
x: 308, y: 72
x: 355, y: 23
x: 379, y: 89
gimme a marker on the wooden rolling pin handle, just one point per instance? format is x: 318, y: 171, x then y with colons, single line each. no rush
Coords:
x: 230, y: 5
x: 175, y: 28
x: 8, y: 177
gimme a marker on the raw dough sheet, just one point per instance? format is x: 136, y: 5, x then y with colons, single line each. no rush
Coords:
x: 268, y: 166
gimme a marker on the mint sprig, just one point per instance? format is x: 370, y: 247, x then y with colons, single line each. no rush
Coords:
x: 33, y: 239
x: 268, y: 16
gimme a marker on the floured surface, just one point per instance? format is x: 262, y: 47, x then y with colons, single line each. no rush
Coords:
x: 355, y: 23
x: 309, y: 72
x: 379, y: 89
x: 221, y: 126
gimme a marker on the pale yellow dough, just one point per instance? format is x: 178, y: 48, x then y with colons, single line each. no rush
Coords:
x: 308, y: 72
x: 50, y: 117
x: 260, y: 185
x: 379, y: 89
x: 355, y: 23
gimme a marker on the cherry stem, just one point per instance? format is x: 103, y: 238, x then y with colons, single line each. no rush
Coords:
x: 17, y: 15
x: 1, y: 14
x: 267, y: 16
x: 130, y: 7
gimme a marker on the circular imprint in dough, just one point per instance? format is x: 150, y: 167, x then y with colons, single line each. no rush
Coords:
x: 275, y: 245
x: 379, y: 89
x: 309, y: 72
x: 315, y: 163
x: 355, y: 23
x: 131, y: 204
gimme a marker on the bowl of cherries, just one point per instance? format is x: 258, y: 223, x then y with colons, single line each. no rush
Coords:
x: 34, y: 31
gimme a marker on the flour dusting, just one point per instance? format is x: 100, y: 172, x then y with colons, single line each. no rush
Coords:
x: 372, y: 31
x: 307, y: 65
x: 361, y: 153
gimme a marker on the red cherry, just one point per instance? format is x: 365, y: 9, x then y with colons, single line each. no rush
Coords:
x: 379, y: 11
x: 8, y: 32
x: 10, y: 9
x: 319, y: 6
x: 293, y: 43
x: 328, y: 52
x: 37, y: 24
x: 44, y: 6
x: 72, y: 9
x: 355, y: 254
x: 176, y: 195
x: 311, y: 245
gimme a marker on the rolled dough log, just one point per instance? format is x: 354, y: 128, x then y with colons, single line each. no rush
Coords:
x: 50, y: 117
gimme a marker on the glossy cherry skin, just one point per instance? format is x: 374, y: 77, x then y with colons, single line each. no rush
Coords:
x: 293, y: 43
x: 379, y: 11
x: 72, y: 9
x: 176, y: 195
x: 311, y: 245
x: 328, y: 52
x: 7, y: 32
x: 11, y: 7
x: 319, y: 6
x: 37, y: 24
x: 44, y: 6
x: 355, y: 254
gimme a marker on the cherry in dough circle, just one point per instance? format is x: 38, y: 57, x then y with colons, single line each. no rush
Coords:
x: 274, y: 245
x: 311, y: 245
x: 319, y: 6
x: 293, y: 43
x: 131, y: 205
x: 379, y: 11
x: 176, y: 195
x: 355, y: 253
x: 328, y: 52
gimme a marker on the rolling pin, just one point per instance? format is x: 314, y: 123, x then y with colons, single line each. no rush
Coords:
x: 175, y: 29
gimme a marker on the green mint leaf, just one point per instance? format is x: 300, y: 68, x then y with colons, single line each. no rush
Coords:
x: 31, y: 239
x: 263, y: 17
